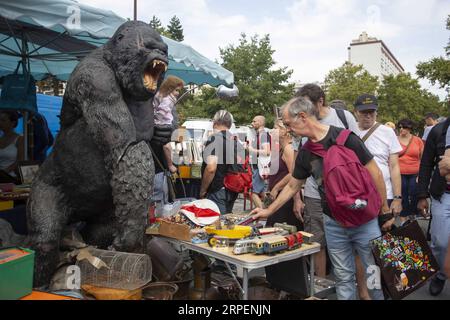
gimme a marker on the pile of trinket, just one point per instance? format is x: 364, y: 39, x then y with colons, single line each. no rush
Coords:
x: 403, y: 254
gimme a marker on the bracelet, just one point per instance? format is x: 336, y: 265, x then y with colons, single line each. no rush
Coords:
x: 397, y: 197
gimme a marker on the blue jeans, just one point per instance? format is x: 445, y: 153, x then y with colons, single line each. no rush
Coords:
x: 409, y: 199
x: 341, y: 243
x: 440, y: 230
x: 224, y: 199
x: 258, y: 183
x: 160, y: 188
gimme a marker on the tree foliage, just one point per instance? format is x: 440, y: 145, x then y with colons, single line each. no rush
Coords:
x: 437, y: 70
x: 155, y: 23
x: 348, y: 82
x: 401, y: 97
x: 175, y: 29
x: 261, y: 85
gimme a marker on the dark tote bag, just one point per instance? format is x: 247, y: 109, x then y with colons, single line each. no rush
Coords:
x: 405, y: 260
x: 18, y: 92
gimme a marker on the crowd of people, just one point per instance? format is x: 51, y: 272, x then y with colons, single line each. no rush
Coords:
x: 403, y: 168
x: 290, y: 178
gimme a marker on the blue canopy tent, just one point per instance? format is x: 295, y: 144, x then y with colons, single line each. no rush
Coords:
x: 53, y: 35
x: 49, y: 38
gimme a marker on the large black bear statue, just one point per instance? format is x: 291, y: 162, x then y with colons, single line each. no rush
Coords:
x: 101, y: 168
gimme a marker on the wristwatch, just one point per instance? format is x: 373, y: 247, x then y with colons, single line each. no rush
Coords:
x: 397, y: 197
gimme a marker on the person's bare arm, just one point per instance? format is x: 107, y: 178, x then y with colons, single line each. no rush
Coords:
x: 289, y: 156
x: 20, y: 154
x: 208, y: 175
x: 168, y: 155
x: 265, y: 151
x: 396, y: 179
x: 288, y: 192
x: 377, y: 177
x: 280, y: 185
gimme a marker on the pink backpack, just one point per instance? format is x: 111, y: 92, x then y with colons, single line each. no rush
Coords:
x: 350, y: 190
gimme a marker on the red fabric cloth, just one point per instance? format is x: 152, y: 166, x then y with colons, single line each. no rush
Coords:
x: 200, y: 212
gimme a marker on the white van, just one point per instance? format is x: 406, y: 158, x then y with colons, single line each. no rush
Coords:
x: 201, y: 129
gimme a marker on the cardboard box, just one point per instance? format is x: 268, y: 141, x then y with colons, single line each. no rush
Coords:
x: 185, y: 172
x: 171, y: 230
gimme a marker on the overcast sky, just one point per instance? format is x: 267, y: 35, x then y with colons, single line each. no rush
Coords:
x: 310, y: 37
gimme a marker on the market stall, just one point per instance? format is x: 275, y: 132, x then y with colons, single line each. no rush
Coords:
x: 44, y: 40
x: 235, y: 239
x: 248, y: 262
x: 49, y: 38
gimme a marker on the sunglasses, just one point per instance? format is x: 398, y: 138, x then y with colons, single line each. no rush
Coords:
x: 404, y: 127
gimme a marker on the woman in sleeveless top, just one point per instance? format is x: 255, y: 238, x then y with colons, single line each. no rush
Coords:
x: 11, y: 143
x: 409, y: 160
x: 285, y: 159
x: 288, y: 276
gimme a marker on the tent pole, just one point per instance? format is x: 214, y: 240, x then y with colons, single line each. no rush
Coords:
x: 187, y: 91
x: 25, y: 114
x: 135, y: 10
x: 30, y: 132
x: 25, y: 135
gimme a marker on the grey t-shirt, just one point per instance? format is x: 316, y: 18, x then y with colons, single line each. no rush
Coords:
x: 332, y: 119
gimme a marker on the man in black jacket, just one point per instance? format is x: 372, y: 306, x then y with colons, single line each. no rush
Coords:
x: 429, y: 170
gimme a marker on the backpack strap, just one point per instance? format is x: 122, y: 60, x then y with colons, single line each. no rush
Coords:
x: 341, y: 115
x: 342, y: 137
x: 369, y: 133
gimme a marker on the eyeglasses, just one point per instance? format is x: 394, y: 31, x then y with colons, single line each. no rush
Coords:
x: 288, y: 125
x: 404, y: 127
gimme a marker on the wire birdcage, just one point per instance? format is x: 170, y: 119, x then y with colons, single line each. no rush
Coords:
x: 123, y: 270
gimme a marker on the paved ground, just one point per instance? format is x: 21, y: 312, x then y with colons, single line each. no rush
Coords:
x: 420, y: 294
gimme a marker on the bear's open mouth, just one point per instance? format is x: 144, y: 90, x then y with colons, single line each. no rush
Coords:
x: 152, y: 73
